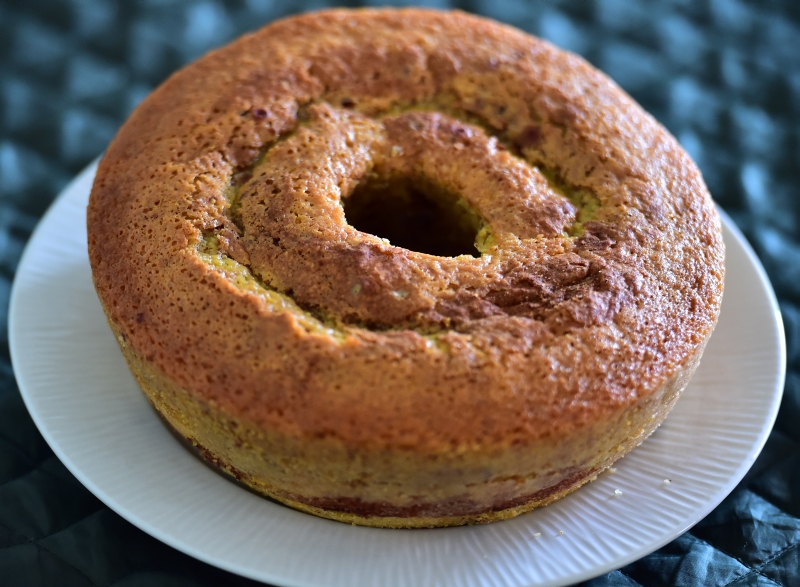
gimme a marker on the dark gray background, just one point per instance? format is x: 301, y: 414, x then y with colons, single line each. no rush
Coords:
x: 722, y: 75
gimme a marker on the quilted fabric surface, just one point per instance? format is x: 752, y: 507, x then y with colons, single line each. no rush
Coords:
x: 722, y: 75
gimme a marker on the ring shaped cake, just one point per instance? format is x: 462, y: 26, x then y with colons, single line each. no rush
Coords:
x: 365, y: 382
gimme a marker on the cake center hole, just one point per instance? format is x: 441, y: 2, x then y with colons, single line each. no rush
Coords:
x: 414, y: 215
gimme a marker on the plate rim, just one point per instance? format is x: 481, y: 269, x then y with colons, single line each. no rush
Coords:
x: 175, y: 542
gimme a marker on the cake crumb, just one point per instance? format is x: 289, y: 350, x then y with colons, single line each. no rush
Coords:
x: 537, y: 535
x: 617, y: 493
x: 667, y: 481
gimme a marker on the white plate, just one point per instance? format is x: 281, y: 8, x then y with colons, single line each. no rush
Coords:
x: 89, y: 409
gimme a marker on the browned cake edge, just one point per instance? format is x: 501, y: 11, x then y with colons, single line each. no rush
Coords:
x: 327, y: 479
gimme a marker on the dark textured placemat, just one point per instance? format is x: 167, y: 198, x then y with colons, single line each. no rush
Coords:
x: 722, y: 75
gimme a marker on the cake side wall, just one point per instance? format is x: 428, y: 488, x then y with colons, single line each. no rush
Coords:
x: 398, y: 488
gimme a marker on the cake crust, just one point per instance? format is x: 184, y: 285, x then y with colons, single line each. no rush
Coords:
x: 365, y: 382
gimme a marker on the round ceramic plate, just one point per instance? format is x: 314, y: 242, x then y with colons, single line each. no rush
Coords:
x: 89, y: 409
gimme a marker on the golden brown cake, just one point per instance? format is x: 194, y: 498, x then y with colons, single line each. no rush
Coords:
x: 552, y: 273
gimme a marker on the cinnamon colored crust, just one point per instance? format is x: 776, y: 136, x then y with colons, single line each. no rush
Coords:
x: 365, y: 382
